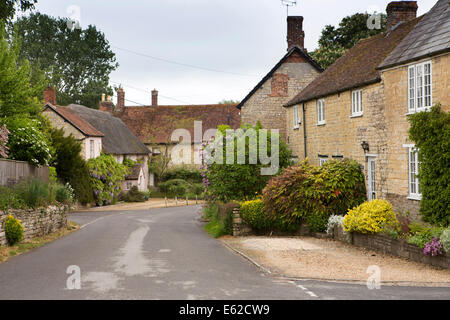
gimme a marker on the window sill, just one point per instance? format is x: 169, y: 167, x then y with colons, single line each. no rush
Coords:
x: 356, y: 115
x: 414, y: 197
x: 321, y: 124
x: 426, y: 109
x: 296, y: 128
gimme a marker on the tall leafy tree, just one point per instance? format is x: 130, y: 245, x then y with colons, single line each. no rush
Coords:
x: 78, y: 62
x: 336, y: 40
x: 8, y: 8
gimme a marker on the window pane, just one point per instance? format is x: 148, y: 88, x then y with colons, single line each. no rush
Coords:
x: 419, y: 85
x: 411, y: 88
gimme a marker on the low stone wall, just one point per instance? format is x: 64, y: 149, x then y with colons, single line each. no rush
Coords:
x: 36, y: 222
x: 399, y: 248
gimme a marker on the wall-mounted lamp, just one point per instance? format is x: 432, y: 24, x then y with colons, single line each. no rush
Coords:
x: 365, y: 146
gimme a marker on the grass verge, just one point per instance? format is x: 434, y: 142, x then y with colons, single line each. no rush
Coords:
x: 7, y: 252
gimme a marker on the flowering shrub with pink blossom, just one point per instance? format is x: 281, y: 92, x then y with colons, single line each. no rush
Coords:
x: 433, y: 248
x: 4, y: 135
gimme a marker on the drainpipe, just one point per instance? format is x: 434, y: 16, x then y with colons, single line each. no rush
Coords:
x: 304, y: 129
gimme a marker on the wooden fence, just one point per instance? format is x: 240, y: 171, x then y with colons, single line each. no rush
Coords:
x: 12, y: 172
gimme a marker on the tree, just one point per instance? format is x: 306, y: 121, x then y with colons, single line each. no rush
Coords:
x: 77, y: 62
x: 335, y: 41
x: 8, y: 8
x: 18, y: 90
x: 226, y: 181
x: 71, y: 167
x: 4, y: 133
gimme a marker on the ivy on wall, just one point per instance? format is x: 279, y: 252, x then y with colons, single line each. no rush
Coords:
x: 430, y: 132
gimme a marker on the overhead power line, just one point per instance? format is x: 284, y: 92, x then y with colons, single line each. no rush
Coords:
x: 183, y: 64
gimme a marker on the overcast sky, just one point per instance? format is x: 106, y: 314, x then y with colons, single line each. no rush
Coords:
x: 243, y: 39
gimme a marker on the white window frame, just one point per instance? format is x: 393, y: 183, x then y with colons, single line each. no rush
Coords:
x: 92, y: 149
x: 321, y: 112
x: 129, y: 185
x: 323, y: 160
x: 371, y: 178
x: 357, y: 103
x: 413, y: 170
x: 420, y: 87
x: 296, y: 117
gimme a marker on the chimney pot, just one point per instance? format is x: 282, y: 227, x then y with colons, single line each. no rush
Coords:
x: 400, y: 11
x: 120, y: 99
x: 295, y: 33
x: 154, y: 98
x: 50, y: 95
x: 103, y: 97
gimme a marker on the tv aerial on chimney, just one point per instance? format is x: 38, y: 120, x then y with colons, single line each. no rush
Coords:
x: 288, y: 3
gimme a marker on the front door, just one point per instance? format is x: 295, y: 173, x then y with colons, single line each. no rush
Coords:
x: 371, y: 183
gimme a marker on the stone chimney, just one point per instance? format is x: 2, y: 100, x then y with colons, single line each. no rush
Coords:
x: 50, y: 95
x: 120, y: 99
x: 154, y: 98
x: 295, y: 33
x: 400, y: 11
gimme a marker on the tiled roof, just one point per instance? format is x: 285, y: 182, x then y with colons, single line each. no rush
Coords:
x: 118, y: 139
x: 135, y: 172
x: 357, y: 67
x: 295, y: 50
x: 156, y: 124
x: 83, y: 126
x: 430, y: 36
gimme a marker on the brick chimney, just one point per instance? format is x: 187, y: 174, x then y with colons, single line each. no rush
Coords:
x: 400, y: 11
x: 295, y: 33
x: 50, y: 95
x: 154, y: 98
x: 120, y: 99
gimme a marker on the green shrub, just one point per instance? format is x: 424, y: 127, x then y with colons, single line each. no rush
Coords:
x: 255, y: 216
x: 227, y: 182
x: 71, y: 167
x: 317, y: 222
x: 28, y: 142
x: 10, y: 199
x: 34, y: 193
x: 13, y: 229
x: 133, y: 195
x: 371, y: 217
x: 53, y: 176
x: 445, y: 240
x: 65, y: 194
x: 175, y: 187
x: 220, y: 216
x: 183, y: 173
x: 421, y: 234
x: 310, y: 193
x: 431, y: 133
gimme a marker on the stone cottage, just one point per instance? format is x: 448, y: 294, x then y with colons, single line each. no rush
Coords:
x: 154, y: 124
x: 291, y: 74
x: 358, y: 107
x: 98, y: 132
x: 416, y: 76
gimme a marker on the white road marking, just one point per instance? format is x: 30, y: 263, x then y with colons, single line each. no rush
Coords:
x: 310, y: 293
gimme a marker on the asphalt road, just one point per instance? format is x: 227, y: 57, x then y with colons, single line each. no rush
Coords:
x: 162, y: 254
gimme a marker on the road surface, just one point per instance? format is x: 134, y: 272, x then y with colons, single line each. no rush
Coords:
x: 161, y: 254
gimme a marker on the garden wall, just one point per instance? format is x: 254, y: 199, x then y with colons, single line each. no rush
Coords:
x: 36, y: 222
x: 12, y: 172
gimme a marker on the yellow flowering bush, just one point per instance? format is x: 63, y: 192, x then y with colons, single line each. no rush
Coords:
x: 371, y: 217
x: 254, y: 215
x: 13, y: 230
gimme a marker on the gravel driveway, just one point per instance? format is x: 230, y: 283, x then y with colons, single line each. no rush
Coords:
x: 311, y: 258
